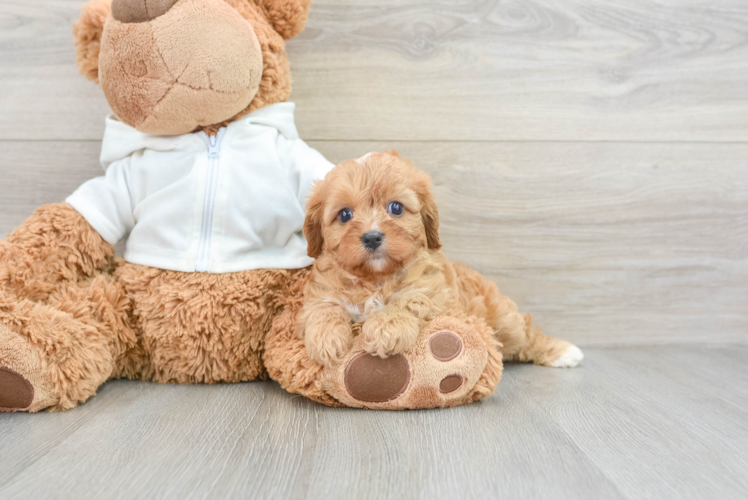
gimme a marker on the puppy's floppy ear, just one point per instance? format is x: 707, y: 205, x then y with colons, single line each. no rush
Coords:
x: 429, y: 212
x: 313, y: 221
x: 87, y: 31
x: 430, y: 217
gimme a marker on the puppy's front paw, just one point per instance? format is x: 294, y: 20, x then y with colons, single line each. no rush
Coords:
x: 385, y: 335
x: 327, y: 346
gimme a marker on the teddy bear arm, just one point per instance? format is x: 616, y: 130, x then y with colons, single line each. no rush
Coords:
x: 55, y: 354
x: 54, y: 246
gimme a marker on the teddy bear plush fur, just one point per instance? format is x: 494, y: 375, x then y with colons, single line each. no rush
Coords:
x: 72, y: 316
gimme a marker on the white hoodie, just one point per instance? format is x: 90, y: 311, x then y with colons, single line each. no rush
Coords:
x: 196, y: 203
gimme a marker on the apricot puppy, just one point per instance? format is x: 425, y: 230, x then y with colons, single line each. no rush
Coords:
x: 373, y: 227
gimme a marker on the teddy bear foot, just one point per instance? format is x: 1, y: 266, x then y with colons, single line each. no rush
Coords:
x: 445, y: 368
x: 22, y: 384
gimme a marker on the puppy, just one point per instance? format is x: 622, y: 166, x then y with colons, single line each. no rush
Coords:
x: 373, y: 227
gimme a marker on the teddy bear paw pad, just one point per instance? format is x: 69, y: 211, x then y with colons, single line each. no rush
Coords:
x: 445, y: 346
x: 373, y: 379
x: 450, y: 383
x: 16, y: 393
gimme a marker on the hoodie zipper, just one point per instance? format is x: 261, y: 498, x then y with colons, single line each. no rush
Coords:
x: 209, y: 200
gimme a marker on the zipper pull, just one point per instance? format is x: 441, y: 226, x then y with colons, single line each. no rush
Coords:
x: 213, y: 150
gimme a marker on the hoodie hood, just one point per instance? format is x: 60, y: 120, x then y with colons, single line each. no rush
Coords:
x: 121, y: 140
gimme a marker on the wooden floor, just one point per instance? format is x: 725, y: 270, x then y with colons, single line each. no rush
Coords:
x: 630, y: 423
x: 590, y: 156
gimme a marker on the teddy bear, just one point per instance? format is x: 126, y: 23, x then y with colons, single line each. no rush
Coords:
x: 206, y: 180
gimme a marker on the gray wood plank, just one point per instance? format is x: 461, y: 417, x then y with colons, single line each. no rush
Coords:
x: 607, y: 244
x: 623, y: 425
x: 26, y: 438
x: 638, y: 419
x: 41, y: 92
x: 642, y: 70
x: 35, y: 173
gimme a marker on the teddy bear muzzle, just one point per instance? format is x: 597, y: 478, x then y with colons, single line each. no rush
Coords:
x: 170, y: 67
x: 140, y: 11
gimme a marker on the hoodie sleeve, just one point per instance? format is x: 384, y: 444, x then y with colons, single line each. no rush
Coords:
x: 106, y: 204
x: 305, y: 165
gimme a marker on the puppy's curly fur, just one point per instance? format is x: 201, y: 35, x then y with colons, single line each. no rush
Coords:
x: 395, y: 286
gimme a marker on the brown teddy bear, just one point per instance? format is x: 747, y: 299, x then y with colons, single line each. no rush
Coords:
x: 206, y: 178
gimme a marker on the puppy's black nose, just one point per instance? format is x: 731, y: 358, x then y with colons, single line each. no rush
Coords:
x: 372, y: 239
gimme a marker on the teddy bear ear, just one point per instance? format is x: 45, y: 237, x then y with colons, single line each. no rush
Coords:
x: 288, y: 17
x: 87, y: 31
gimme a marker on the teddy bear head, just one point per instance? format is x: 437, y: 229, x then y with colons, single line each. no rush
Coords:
x: 171, y: 67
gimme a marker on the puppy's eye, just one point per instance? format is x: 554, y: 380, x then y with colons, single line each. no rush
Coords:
x: 395, y: 208
x: 345, y: 215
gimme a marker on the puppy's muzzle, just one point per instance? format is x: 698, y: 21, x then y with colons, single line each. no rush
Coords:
x: 372, y: 240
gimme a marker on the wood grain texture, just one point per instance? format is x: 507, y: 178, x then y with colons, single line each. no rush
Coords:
x: 644, y: 70
x: 630, y: 423
x: 35, y: 173
x: 589, y: 156
x: 605, y: 243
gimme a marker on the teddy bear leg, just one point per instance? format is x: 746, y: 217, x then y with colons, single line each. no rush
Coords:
x: 454, y: 361
x: 56, y: 355
x: 48, y: 356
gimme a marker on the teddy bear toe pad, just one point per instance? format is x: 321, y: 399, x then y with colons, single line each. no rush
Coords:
x: 445, y: 346
x: 16, y: 393
x: 450, y: 383
x: 440, y: 370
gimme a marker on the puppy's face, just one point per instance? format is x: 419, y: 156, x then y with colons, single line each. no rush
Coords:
x: 371, y: 216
